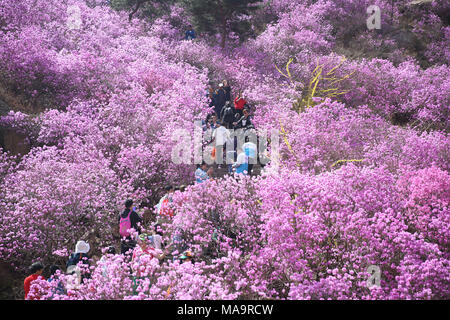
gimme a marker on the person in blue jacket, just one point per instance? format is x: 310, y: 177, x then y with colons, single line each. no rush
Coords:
x: 190, y: 34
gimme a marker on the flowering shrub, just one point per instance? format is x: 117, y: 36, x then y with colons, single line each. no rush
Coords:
x: 305, y: 237
x: 362, y: 178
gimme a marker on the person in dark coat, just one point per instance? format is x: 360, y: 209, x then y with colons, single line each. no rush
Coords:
x: 227, y: 116
x: 212, y: 98
x: 244, y: 122
x: 227, y: 89
x: 220, y: 101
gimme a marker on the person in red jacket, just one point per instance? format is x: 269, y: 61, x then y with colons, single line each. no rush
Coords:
x: 239, y: 104
x: 36, y: 270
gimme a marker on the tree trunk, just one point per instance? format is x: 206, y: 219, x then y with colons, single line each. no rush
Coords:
x: 223, y: 31
x: 138, y: 5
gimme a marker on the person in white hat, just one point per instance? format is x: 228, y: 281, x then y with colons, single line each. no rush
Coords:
x: 82, y: 247
x: 80, y: 255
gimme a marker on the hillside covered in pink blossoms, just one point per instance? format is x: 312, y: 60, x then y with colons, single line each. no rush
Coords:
x: 361, y: 178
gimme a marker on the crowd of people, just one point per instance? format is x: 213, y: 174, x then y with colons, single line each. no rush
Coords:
x: 137, y: 241
x: 230, y: 130
x: 141, y: 235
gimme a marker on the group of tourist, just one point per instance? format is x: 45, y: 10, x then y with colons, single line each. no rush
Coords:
x: 239, y: 158
x: 133, y: 245
x: 225, y: 128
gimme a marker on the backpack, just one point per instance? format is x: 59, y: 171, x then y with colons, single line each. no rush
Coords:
x: 125, y: 224
x: 228, y: 114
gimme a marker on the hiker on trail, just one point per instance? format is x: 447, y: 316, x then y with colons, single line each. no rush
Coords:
x: 251, y: 151
x: 209, y: 127
x: 244, y: 122
x: 164, y: 212
x: 227, y: 89
x: 128, y: 219
x: 36, y: 270
x: 212, y: 95
x: 213, y: 121
x: 239, y: 103
x: 241, y: 164
x: 203, y: 173
x: 146, y: 246
x: 220, y: 101
x: 220, y: 135
x: 227, y: 116
x: 208, y: 121
x: 80, y: 255
x: 190, y: 33
x: 157, y: 236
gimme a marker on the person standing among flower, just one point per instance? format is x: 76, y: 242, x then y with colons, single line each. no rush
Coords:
x: 36, y: 270
x: 146, y: 247
x: 227, y: 89
x: 201, y: 174
x: 241, y: 164
x: 128, y: 219
x: 239, y: 103
x: 163, y: 207
x: 190, y: 33
x: 251, y: 151
x: 245, y: 121
x: 220, y: 135
x: 220, y: 100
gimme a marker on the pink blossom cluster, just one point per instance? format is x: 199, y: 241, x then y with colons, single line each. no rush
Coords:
x: 298, y: 236
x: 353, y: 188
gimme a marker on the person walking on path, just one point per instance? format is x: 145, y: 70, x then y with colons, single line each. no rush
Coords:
x: 220, y: 100
x: 241, y: 164
x: 239, y: 103
x: 227, y: 89
x: 220, y: 135
x: 227, y: 116
x: 128, y: 219
x: 251, y: 151
x: 244, y: 122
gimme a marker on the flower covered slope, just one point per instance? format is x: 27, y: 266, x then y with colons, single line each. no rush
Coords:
x: 355, y: 186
